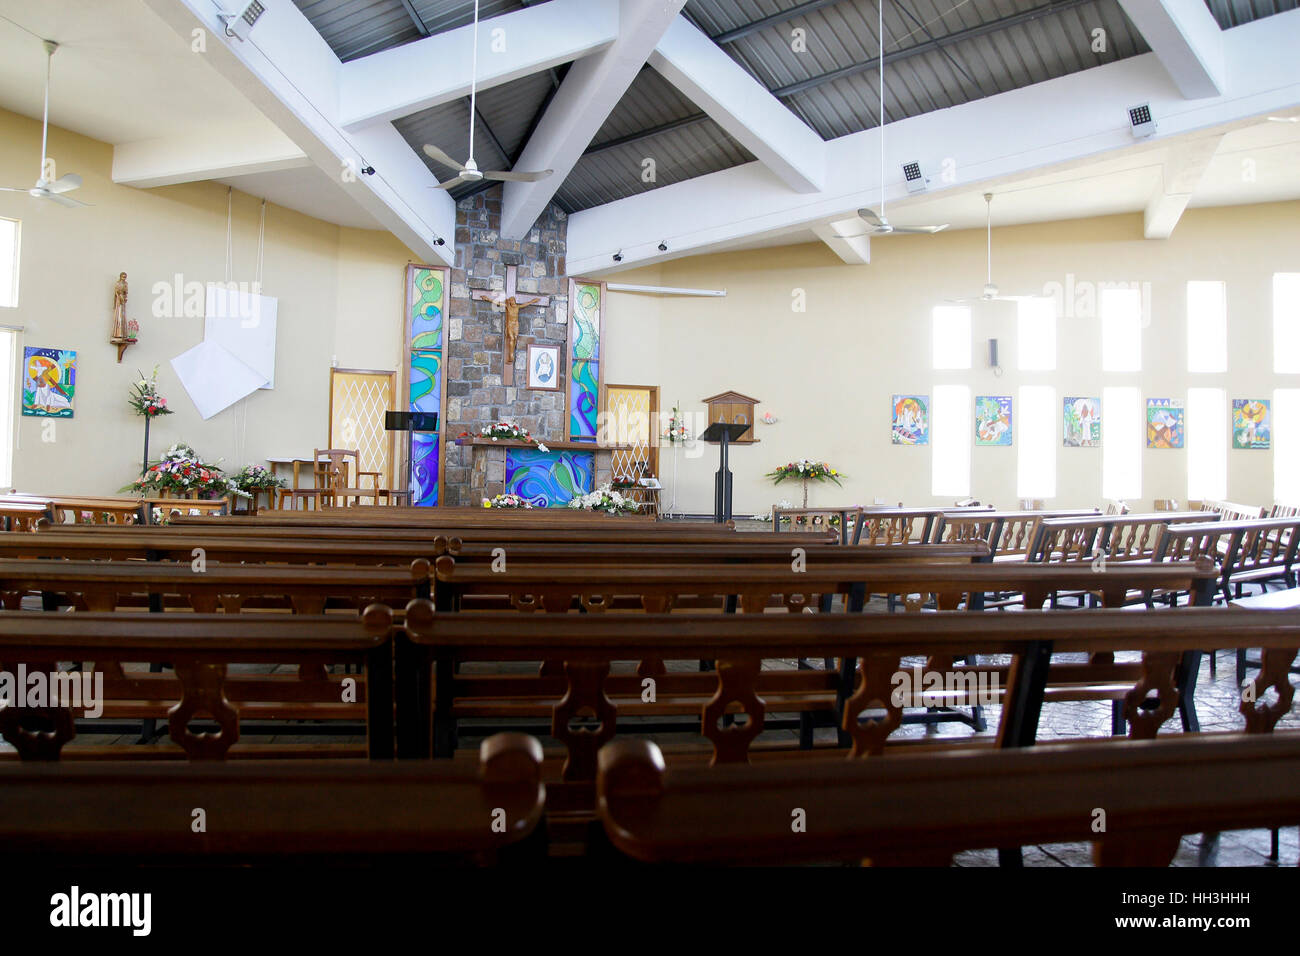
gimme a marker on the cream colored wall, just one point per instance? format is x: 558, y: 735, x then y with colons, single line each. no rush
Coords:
x: 339, y: 293
x: 828, y: 373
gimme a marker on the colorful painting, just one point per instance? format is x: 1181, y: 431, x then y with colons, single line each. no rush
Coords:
x: 1166, y: 425
x: 1082, y: 423
x: 1252, y: 423
x: 549, y: 479
x: 49, y: 382
x: 424, y: 468
x: 426, y: 304
x: 426, y: 381
x: 584, y: 360
x: 993, y: 420
x: 911, y: 420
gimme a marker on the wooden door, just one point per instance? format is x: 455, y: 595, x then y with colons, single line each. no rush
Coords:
x: 358, y: 400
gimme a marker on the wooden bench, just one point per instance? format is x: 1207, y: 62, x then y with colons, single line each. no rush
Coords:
x: 201, y: 649
x: 270, y: 811
x: 893, y: 526
x: 1233, y: 511
x: 598, y: 639
x: 1009, y: 534
x: 1252, y: 551
x: 921, y: 809
x: 848, y: 517
x: 86, y: 509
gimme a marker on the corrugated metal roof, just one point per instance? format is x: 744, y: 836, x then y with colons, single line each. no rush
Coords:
x: 356, y: 28
x: 1233, y: 13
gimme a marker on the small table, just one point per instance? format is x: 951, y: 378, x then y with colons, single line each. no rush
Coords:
x: 297, y: 463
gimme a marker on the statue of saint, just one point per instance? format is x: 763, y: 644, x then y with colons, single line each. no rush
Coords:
x: 119, y: 307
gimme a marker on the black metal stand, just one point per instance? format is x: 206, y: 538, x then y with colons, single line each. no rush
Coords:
x: 724, y: 434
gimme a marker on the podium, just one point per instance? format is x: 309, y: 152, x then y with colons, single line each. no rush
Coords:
x: 722, y: 433
x: 410, y: 422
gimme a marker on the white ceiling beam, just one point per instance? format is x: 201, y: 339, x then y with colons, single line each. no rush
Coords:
x: 1183, y: 170
x: 416, y: 76
x: 1034, y: 132
x: 211, y: 154
x: 741, y: 105
x: 290, y: 74
x: 589, y: 92
x: 847, y: 238
x: 1188, y: 41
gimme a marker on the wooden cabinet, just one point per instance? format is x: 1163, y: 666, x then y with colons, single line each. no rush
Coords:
x: 734, y: 409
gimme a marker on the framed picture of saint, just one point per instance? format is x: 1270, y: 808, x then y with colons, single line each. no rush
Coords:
x: 544, y: 367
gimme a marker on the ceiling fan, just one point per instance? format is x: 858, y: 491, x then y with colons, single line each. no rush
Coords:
x: 468, y: 172
x: 879, y: 224
x: 990, y: 293
x: 47, y: 189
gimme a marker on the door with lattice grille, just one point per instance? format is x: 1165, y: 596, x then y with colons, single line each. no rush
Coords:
x: 632, y: 412
x: 358, y: 400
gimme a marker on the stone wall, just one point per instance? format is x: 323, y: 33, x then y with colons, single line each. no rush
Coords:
x: 473, y: 361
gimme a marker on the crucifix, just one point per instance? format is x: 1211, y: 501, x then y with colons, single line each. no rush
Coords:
x: 510, y: 328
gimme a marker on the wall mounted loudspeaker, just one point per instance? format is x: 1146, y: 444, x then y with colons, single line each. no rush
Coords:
x: 993, y: 357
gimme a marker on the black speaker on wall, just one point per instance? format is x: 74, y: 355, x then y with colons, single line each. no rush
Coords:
x: 993, y: 353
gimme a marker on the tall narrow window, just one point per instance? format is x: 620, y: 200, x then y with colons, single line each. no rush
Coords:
x: 1207, y: 444
x: 1036, y: 334
x: 1286, y: 446
x: 1207, y: 327
x: 1036, y: 440
x: 951, y: 328
x: 1121, y: 330
x: 8, y: 348
x: 1121, y: 443
x: 950, y: 427
x: 8, y: 263
x: 1286, y: 322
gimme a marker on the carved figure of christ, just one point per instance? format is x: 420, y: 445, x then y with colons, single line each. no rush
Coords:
x: 510, y: 328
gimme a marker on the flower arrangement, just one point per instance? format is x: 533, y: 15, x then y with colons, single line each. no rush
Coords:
x: 144, y: 396
x: 805, y: 469
x: 182, y: 471
x: 604, y: 499
x: 252, y: 478
x: 507, y: 501
x: 132, y: 330
x: 510, y: 431
x: 677, y: 431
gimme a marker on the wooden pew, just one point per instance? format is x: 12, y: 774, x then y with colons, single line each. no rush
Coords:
x: 86, y: 509
x: 110, y: 585
x: 1253, y: 551
x: 201, y: 649
x: 849, y: 517
x: 1132, y: 537
x: 271, y: 811
x: 1009, y: 534
x: 23, y: 515
x: 893, y: 526
x: 597, y: 640
x: 1232, y: 510
x: 921, y: 809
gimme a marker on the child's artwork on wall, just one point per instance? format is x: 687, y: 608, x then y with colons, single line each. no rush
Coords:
x: 1082, y: 423
x: 49, y: 382
x: 1165, y: 423
x: 911, y: 420
x: 993, y: 420
x: 1252, y: 423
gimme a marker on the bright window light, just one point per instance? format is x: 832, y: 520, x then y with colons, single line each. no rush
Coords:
x: 1207, y: 444
x: 1286, y: 446
x: 8, y: 263
x: 1286, y: 322
x: 1036, y: 438
x: 1122, y: 441
x: 951, y: 328
x: 950, y: 435
x: 1036, y: 334
x: 1121, y: 330
x: 1207, y: 327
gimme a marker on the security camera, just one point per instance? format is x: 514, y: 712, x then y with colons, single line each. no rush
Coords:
x: 440, y: 241
x: 618, y: 256
x: 367, y: 170
x: 663, y: 246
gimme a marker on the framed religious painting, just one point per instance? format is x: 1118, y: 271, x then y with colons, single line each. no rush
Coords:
x: 544, y: 368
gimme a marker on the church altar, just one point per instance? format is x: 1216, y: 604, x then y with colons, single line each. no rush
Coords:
x: 548, y: 479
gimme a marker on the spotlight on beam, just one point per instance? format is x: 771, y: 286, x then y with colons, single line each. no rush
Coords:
x: 915, y: 179
x: 1141, y: 123
x: 240, y: 25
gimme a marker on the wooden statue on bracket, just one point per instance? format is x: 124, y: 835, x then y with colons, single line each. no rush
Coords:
x: 510, y: 327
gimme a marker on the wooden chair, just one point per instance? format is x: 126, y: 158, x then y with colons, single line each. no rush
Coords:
x: 334, y: 473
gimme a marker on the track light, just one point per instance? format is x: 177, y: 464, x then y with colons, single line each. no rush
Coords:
x: 663, y: 245
x: 1141, y: 122
x: 240, y: 25
x: 618, y: 256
